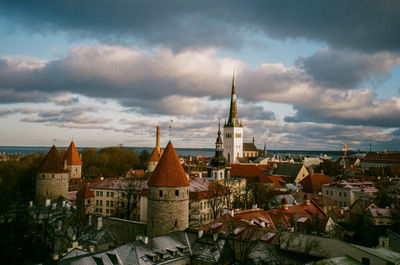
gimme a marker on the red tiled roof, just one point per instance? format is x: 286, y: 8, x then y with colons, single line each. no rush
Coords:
x: 169, y: 171
x: 155, y: 155
x: 117, y: 184
x: 277, y: 180
x: 72, y: 155
x: 53, y: 162
x: 250, y: 172
x: 302, y: 209
x: 314, y: 182
x: 85, y: 192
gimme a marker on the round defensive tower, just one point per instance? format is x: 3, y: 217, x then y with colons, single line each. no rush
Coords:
x: 52, y: 179
x: 168, y: 197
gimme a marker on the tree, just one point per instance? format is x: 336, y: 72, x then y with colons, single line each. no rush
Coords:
x: 131, y: 189
x: 218, y: 196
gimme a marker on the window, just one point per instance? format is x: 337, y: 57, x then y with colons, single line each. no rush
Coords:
x: 107, y: 203
x: 107, y: 211
x: 161, y: 193
x: 88, y: 201
x: 97, y: 202
x: 101, y: 193
x: 365, y: 261
x: 122, y: 204
x: 101, y: 203
x: 344, y: 204
x: 176, y: 192
x: 331, y: 193
x: 107, y: 194
x: 112, y: 194
x: 344, y: 194
x: 220, y: 174
x: 111, y: 204
x: 340, y: 194
x: 97, y: 193
x: 327, y: 192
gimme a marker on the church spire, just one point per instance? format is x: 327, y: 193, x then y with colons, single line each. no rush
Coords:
x: 218, y: 142
x: 233, y: 120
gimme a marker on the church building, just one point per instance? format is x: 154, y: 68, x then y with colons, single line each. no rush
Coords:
x: 233, y: 131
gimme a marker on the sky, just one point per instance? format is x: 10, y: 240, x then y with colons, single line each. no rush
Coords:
x: 309, y: 74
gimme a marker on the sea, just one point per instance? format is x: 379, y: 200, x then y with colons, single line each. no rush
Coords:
x: 181, y: 151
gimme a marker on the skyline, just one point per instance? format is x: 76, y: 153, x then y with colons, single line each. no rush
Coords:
x: 308, y: 76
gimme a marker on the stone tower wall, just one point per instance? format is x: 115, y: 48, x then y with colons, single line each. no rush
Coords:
x: 51, y: 186
x: 74, y: 171
x: 233, y: 145
x: 168, y: 212
x: 151, y: 166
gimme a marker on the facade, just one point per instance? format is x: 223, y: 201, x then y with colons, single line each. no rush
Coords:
x: 346, y: 192
x: 250, y: 150
x: 74, y: 162
x: 85, y: 200
x: 168, y: 196
x: 156, y: 154
x: 233, y: 131
x: 52, y: 179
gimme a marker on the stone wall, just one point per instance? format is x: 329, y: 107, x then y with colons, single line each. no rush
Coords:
x: 51, y: 186
x: 75, y: 171
x: 168, y: 210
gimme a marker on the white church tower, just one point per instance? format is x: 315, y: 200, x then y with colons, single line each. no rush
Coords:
x: 233, y: 131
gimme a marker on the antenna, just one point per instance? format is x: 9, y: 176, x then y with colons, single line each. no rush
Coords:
x: 370, y: 144
x: 170, y: 127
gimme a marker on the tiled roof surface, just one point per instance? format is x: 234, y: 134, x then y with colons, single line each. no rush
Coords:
x: 155, y: 155
x: 53, y: 162
x: 201, y: 188
x: 250, y: 147
x: 85, y: 192
x: 314, y: 182
x: 169, y: 171
x: 72, y: 155
x: 118, y: 184
x: 286, y: 169
x: 249, y: 172
x: 278, y: 181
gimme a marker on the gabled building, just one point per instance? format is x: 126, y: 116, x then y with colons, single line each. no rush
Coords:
x: 292, y: 173
x: 313, y: 182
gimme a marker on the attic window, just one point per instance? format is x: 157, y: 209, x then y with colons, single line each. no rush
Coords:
x: 184, y: 249
x: 161, y: 193
x: 176, y: 192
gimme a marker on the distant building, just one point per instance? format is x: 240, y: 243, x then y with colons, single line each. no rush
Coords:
x: 156, y: 154
x: 218, y: 168
x: 313, y: 182
x: 250, y: 150
x: 74, y: 162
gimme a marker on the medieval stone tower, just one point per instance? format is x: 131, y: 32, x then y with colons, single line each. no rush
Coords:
x: 156, y: 154
x: 168, y: 197
x: 74, y: 163
x: 52, y: 179
x: 233, y: 131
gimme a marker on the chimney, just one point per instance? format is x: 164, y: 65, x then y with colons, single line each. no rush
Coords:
x: 200, y: 233
x: 285, y: 204
x: 65, y: 164
x: 91, y: 248
x: 254, y: 206
x: 30, y: 204
x: 341, y: 211
x: 158, y: 138
x: 307, y: 199
x: 99, y: 222
x: 145, y: 239
x: 47, y: 203
x: 53, y: 206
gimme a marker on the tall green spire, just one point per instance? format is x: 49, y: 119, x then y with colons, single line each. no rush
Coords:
x: 233, y: 120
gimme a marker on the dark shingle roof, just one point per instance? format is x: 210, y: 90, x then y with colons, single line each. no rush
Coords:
x: 249, y: 147
x: 286, y: 169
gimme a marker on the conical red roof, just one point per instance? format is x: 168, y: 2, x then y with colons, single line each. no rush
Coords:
x: 169, y: 171
x: 72, y: 155
x: 155, y: 155
x: 53, y: 162
x: 85, y: 192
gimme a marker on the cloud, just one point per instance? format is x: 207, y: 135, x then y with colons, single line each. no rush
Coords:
x: 344, y: 69
x: 360, y: 25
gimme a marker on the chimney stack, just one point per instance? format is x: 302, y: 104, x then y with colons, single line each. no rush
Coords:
x: 158, y: 138
x: 307, y: 199
x: 65, y: 164
x: 285, y: 204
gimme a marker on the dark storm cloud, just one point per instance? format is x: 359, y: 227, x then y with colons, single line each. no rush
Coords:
x: 360, y: 24
x: 344, y: 69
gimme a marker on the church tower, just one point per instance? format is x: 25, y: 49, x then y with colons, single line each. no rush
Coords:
x: 233, y: 131
x: 168, y: 197
x: 52, y: 179
x: 156, y: 154
x: 218, y: 168
x: 74, y: 163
